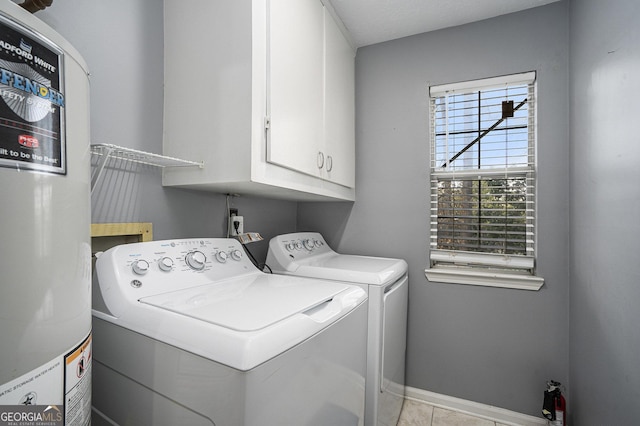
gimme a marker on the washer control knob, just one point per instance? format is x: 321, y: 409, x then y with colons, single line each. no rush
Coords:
x: 290, y: 246
x: 317, y: 243
x: 221, y: 256
x: 236, y: 254
x: 308, y: 244
x: 140, y: 267
x: 195, y: 260
x: 298, y: 245
x: 165, y: 264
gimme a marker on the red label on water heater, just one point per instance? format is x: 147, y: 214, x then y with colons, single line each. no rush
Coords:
x: 28, y: 141
x: 32, y: 133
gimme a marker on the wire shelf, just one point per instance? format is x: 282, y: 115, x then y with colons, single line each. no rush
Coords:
x: 135, y: 156
x: 106, y: 151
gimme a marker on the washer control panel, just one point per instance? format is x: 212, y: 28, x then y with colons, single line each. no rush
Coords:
x: 172, y: 256
x: 143, y: 269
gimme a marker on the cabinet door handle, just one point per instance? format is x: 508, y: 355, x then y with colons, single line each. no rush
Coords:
x: 329, y: 163
x: 320, y: 159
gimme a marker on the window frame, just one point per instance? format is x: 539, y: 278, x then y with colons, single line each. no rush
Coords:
x: 471, y: 267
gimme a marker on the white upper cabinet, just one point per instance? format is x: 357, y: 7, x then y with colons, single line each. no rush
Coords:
x: 263, y: 93
x: 339, y: 106
x: 296, y: 83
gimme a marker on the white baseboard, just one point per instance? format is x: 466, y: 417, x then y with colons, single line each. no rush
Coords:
x: 476, y: 409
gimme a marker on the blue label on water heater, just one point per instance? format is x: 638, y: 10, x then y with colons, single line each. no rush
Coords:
x: 32, y: 101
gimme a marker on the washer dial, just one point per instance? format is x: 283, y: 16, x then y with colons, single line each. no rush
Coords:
x: 221, y: 256
x: 140, y: 267
x: 165, y: 264
x: 196, y: 260
x: 236, y: 254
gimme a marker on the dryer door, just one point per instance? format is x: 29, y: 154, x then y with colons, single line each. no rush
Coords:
x: 394, y: 344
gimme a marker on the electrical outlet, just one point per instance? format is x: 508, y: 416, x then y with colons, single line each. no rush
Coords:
x: 237, y: 225
x: 233, y: 212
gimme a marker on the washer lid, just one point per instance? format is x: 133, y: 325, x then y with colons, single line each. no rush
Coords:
x: 250, y: 303
x: 352, y: 268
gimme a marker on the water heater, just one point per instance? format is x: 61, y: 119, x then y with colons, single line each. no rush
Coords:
x: 45, y: 251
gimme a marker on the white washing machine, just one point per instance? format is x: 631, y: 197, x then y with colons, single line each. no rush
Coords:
x: 189, y: 332
x: 306, y: 254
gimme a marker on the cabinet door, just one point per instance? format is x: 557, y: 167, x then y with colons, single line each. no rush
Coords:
x: 295, y: 84
x: 339, y: 106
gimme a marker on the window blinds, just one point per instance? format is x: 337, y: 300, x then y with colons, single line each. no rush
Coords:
x: 483, y: 172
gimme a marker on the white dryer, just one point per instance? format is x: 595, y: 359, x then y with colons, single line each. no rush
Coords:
x: 189, y: 332
x: 306, y: 254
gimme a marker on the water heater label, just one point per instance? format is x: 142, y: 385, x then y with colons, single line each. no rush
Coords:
x: 54, y: 394
x: 32, y: 128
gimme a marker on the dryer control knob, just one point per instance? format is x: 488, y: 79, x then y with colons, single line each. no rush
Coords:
x: 140, y: 267
x: 221, y: 256
x: 165, y: 264
x: 195, y: 260
x: 236, y: 255
x: 308, y: 244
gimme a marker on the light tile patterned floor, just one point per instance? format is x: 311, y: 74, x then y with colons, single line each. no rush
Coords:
x: 416, y: 413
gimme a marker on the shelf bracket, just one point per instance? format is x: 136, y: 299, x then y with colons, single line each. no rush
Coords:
x: 100, y: 166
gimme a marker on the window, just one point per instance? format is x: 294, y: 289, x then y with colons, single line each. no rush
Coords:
x: 482, y: 219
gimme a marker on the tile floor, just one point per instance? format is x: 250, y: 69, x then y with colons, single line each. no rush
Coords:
x: 416, y: 413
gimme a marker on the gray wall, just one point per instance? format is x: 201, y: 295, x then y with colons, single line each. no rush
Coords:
x: 490, y: 345
x: 605, y: 213
x: 495, y: 346
x: 122, y: 43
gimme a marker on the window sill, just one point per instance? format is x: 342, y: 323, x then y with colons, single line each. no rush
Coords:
x: 485, y: 277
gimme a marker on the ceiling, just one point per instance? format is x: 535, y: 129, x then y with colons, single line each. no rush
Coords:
x: 375, y: 21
